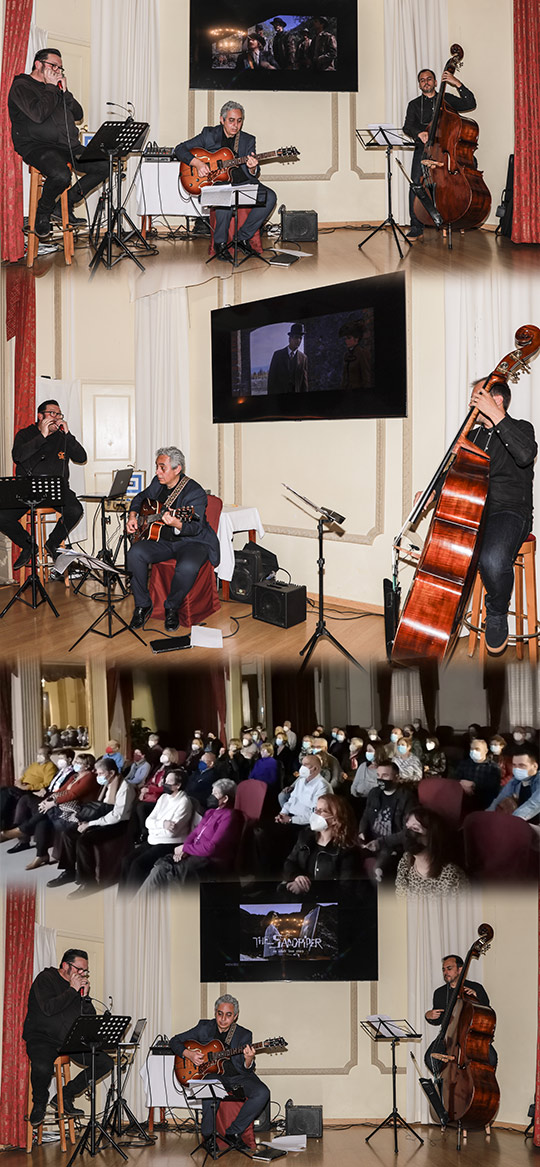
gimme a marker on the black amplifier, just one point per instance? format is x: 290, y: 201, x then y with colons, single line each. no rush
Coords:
x: 281, y: 604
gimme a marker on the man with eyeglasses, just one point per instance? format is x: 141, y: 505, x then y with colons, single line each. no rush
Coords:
x: 43, y: 114
x: 57, y: 997
x: 44, y: 450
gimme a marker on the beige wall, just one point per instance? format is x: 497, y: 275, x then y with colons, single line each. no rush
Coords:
x: 330, y: 1060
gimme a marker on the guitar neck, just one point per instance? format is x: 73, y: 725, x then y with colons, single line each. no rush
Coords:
x: 240, y: 161
x: 231, y: 1053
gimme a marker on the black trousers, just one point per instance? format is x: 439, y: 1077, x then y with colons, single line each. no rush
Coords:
x: 42, y: 1055
x: 52, y: 162
x: 71, y: 514
x: 416, y: 174
x: 137, y: 866
x: 42, y: 828
x: 190, y: 556
x: 257, y: 1096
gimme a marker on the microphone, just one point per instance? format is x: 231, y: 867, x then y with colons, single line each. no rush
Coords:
x: 115, y: 104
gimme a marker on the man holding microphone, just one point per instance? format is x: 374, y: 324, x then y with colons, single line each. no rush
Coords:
x: 43, y: 114
x: 57, y: 997
x: 44, y: 450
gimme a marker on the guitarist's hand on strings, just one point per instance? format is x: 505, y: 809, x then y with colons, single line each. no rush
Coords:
x: 249, y: 1056
x: 171, y: 520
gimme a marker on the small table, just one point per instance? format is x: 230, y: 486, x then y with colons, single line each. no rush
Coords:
x: 235, y: 519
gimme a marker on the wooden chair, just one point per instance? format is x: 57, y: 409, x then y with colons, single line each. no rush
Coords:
x: 525, y: 572
x: 62, y: 1077
x: 44, y: 570
x: 36, y: 184
x: 203, y: 600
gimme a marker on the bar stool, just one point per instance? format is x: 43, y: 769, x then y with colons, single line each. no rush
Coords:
x: 44, y: 571
x: 36, y: 183
x: 62, y: 1077
x: 525, y: 572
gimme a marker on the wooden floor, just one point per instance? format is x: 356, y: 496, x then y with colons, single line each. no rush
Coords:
x: 346, y: 1147
x: 335, y: 256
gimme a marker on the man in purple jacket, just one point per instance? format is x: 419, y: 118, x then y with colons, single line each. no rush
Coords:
x: 211, y: 847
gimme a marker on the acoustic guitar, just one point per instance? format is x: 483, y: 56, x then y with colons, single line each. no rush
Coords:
x: 220, y: 163
x: 150, y: 523
x: 215, y: 1054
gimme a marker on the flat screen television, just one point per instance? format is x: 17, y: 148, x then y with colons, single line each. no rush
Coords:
x: 268, y: 935
x: 233, y: 47
x: 330, y: 352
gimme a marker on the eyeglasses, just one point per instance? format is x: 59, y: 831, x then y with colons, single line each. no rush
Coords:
x: 78, y: 967
x: 52, y: 413
x: 55, y: 68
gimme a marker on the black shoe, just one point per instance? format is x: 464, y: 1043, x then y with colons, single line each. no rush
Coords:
x: 172, y: 620
x: 42, y: 226
x: 56, y: 216
x: 37, y: 1113
x: 52, y: 552
x: 236, y: 1141
x: 140, y: 616
x: 22, y: 846
x: 23, y: 558
x: 496, y: 634
x: 201, y: 227
x: 223, y: 252
x: 85, y: 889
x: 245, y: 246
x: 60, y: 880
x: 70, y: 1109
x: 415, y: 233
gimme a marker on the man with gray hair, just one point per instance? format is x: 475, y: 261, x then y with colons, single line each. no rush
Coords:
x: 238, y: 1070
x: 229, y: 134
x: 190, y: 540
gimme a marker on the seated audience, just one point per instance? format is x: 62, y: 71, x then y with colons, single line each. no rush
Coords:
x: 523, y: 789
x: 297, y: 802
x: 265, y: 768
x: 65, y: 794
x: 434, y: 758
x: 284, y: 755
x: 327, y: 849
x: 210, y: 849
x: 200, y: 781
x: 112, y: 750
x: 167, y: 825
x: 382, y: 827
x: 365, y: 778
x: 153, y: 787
x: 18, y: 802
x: 339, y: 746
x: 498, y: 755
x: 231, y: 763
x: 139, y: 770
x: 410, y: 767
x: 424, y: 868
x: 291, y: 736
x: 80, y: 850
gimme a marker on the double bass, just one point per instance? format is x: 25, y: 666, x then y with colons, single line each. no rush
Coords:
x: 470, y: 1091
x: 450, y: 176
x: 437, y: 600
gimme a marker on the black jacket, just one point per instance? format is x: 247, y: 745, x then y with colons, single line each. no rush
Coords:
x: 443, y: 993
x: 42, y: 115
x: 45, y: 457
x: 330, y: 862
x: 402, y: 803
x: 512, y: 449
x: 53, y: 1006
x: 420, y: 111
x: 200, y: 529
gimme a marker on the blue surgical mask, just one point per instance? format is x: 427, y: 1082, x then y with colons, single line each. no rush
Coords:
x: 520, y: 773
x: 202, y: 767
x: 370, y: 754
x: 101, y: 779
x: 476, y: 755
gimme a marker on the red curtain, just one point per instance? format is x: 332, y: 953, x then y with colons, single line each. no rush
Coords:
x: 18, y: 14
x: 19, y: 968
x: 21, y: 325
x: 526, y: 219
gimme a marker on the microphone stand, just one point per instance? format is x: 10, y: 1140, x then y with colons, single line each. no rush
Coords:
x: 321, y: 631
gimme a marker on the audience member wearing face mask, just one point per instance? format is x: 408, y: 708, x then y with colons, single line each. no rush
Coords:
x: 425, y: 868
x: 63, y: 799
x: 326, y: 849
x: 480, y: 778
x: 167, y: 825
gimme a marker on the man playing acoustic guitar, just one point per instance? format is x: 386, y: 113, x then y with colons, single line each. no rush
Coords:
x: 186, y: 537
x: 230, y: 134
x: 238, y: 1071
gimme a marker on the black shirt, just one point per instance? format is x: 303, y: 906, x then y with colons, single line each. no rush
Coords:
x: 42, y: 115
x: 512, y: 449
x: 442, y: 995
x: 45, y: 457
x: 420, y: 111
x: 236, y: 173
x: 53, y: 1007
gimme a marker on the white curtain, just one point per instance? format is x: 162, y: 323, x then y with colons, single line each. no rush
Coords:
x: 162, y: 375
x: 406, y: 703
x: 435, y: 928
x: 137, y: 973
x: 415, y: 37
x: 44, y: 948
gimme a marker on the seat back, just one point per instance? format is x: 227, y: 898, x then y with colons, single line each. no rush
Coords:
x: 250, y: 797
x: 444, y: 796
x: 499, y: 847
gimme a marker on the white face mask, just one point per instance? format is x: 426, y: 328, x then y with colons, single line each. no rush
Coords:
x: 317, y: 822
x: 152, y: 741
x: 476, y: 755
x: 279, y: 741
x: 304, y: 772
x: 62, y: 763
x: 196, y: 746
x: 164, y: 759
x: 245, y: 741
x: 341, y: 737
x: 518, y: 737
x: 430, y: 745
x: 495, y: 748
x: 41, y: 759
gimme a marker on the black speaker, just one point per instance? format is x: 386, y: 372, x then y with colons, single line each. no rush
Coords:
x: 281, y: 604
x: 299, y: 226
x: 252, y: 563
x: 304, y: 1120
x: 262, y: 1123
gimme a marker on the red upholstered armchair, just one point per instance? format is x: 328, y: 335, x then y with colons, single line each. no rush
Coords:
x: 203, y: 600
x: 243, y: 213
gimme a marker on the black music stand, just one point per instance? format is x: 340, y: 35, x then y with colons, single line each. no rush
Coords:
x: 116, y: 1105
x: 381, y: 141
x: 109, y: 558
x: 321, y: 631
x: 231, y: 196
x: 394, y: 1032
x: 216, y: 1090
x: 115, y: 140
x: 110, y: 575
x: 90, y: 1034
x: 31, y: 492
